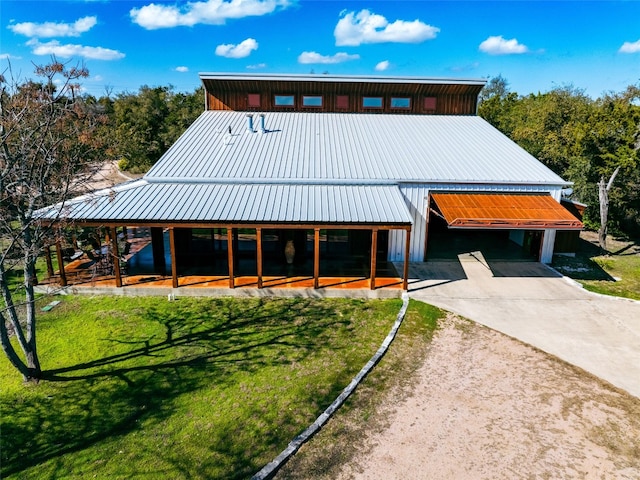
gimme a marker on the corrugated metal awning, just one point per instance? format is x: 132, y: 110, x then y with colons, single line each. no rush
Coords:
x: 220, y: 203
x: 505, y: 211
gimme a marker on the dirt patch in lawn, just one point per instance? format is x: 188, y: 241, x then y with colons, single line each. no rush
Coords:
x: 483, y: 406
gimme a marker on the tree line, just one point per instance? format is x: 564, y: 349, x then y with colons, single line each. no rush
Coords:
x: 142, y: 125
x: 593, y: 143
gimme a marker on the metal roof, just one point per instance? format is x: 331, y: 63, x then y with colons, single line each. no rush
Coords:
x: 334, y: 148
x: 340, y: 78
x: 505, y: 211
x: 143, y: 202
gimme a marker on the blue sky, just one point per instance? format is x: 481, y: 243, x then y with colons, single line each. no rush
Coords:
x: 534, y: 45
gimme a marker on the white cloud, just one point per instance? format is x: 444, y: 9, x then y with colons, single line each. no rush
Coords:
x: 66, y: 51
x: 182, y: 69
x: 497, y: 45
x: 8, y: 56
x: 257, y: 66
x: 365, y: 27
x: 210, y: 12
x: 314, y: 57
x: 241, y: 50
x: 630, y: 47
x: 382, y: 66
x: 51, y: 29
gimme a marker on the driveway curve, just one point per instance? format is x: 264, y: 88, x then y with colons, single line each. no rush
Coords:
x: 533, y: 303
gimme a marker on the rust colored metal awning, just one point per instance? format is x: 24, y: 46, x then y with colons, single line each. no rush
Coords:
x: 505, y: 211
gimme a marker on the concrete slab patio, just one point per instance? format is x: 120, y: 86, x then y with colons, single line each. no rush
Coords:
x: 533, y: 303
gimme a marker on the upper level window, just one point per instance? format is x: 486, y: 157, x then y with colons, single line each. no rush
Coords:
x: 429, y: 103
x: 311, y: 101
x: 284, y: 101
x: 342, y: 101
x: 254, y: 100
x: 400, y: 102
x: 372, y: 102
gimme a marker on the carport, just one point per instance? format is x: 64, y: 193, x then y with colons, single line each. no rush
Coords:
x: 526, y: 220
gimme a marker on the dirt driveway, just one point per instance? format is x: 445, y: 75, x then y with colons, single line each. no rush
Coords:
x: 530, y: 302
x: 484, y: 405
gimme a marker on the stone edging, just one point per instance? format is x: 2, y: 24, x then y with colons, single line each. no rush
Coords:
x: 270, y: 469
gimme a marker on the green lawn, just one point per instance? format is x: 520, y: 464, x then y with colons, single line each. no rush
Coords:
x: 196, y: 388
x: 624, y: 273
x: 617, y: 273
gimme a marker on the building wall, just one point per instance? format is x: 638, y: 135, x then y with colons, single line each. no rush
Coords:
x: 440, y: 104
x: 416, y: 196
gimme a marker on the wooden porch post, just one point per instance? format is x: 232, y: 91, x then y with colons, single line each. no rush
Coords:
x: 116, y: 257
x: 172, y: 251
x: 426, y: 231
x: 316, y: 258
x: 63, y: 275
x: 405, y: 274
x: 374, y: 257
x: 259, y: 255
x: 230, y: 256
x: 47, y: 256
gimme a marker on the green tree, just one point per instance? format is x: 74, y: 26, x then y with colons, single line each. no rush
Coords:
x: 497, y: 103
x: 610, y: 160
x: 548, y: 126
x: 48, y: 147
x: 147, y: 123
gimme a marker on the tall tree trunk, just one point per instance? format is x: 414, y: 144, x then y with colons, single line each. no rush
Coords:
x: 9, y: 351
x: 30, y: 258
x: 603, y: 194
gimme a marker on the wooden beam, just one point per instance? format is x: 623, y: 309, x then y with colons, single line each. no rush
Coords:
x: 259, y: 255
x: 172, y: 251
x: 374, y: 257
x: 316, y: 258
x: 230, y: 256
x: 47, y: 256
x: 407, y: 249
x: 115, y: 258
x: 269, y: 226
x: 63, y: 275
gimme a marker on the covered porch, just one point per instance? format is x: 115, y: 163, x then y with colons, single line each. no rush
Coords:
x: 239, y: 233
x: 239, y: 256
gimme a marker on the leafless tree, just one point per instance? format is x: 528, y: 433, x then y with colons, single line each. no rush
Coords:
x: 50, y: 141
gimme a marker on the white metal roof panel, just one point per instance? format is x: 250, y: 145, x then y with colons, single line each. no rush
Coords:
x: 142, y: 201
x: 341, y: 78
x: 339, y: 147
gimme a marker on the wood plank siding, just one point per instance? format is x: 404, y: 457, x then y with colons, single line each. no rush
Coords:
x: 449, y: 99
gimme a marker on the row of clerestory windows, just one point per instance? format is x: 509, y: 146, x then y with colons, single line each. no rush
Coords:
x: 341, y: 102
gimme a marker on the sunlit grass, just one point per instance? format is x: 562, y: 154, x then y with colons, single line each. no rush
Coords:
x: 617, y: 273
x: 624, y: 271
x: 196, y: 388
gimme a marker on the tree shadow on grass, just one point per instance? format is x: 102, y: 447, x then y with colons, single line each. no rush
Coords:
x: 582, y: 266
x: 203, y: 347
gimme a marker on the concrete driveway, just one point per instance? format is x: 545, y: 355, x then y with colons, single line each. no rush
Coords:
x: 534, y: 304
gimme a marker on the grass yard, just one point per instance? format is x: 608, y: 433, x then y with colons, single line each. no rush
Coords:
x: 196, y: 388
x: 617, y: 273
x: 340, y: 440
